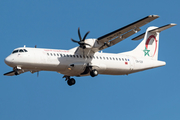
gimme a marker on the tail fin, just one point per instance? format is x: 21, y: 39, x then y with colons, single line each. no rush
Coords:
x: 148, y: 48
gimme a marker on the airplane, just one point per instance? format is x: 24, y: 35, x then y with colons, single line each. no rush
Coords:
x: 87, y: 58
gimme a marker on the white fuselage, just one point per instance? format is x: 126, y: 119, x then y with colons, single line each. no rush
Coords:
x: 70, y: 64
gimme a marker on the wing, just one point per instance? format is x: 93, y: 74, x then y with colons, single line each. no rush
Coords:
x: 124, y: 32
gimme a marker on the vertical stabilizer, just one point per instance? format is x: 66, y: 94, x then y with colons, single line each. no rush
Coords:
x: 148, y: 48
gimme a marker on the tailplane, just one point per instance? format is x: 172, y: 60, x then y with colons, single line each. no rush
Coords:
x: 148, y: 48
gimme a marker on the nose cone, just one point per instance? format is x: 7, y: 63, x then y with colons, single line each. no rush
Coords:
x: 8, y: 60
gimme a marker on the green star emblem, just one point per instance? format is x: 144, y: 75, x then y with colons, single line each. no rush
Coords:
x: 146, y: 52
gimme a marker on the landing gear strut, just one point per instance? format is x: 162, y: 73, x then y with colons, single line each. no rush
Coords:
x: 70, y: 81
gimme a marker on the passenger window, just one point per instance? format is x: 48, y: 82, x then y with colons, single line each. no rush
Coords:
x: 57, y: 54
x: 87, y: 56
x: 125, y: 59
x: 97, y: 57
x: 48, y: 54
x: 90, y: 57
x: 116, y: 58
x: 25, y: 50
x: 100, y: 57
x: 110, y: 58
x: 80, y: 56
x: 61, y: 55
x: 113, y: 59
x: 70, y: 55
x: 51, y: 54
x: 67, y: 55
x: 107, y: 58
x: 77, y: 56
x: 120, y: 59
x: 54, y: 54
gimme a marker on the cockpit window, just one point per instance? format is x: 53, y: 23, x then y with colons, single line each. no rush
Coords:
x: 15, y: 51
x: 19, y: 50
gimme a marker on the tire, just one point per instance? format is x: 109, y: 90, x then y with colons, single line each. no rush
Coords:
x: 94, y: 73
x: 71, y: 82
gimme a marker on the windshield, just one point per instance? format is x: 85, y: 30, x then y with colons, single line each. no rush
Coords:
x: 19, y: 50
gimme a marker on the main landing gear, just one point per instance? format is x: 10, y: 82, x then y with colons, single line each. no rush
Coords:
x: 70, y: 81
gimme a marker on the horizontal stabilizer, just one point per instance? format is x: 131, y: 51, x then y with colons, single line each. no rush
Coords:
x: 155, y: 30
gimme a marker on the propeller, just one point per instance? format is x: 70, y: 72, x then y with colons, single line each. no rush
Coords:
x: 81, y: 43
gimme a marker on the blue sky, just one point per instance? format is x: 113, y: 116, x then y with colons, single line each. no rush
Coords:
x: 152, y: 94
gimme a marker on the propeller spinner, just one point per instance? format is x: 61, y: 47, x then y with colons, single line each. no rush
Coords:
x: 81, y: 43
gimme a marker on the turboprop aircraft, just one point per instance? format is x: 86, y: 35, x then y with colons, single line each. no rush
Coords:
x: 86, y: 59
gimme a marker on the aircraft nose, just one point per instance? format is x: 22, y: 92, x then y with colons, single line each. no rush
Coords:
x: 8, y: 60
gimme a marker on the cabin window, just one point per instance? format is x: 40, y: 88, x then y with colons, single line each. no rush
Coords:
x: 107, y: 58
x: 51, y: 54
x: 61, y: 55
x: 74, y: 56
x: 67, y: 55
x: 116, y: 58
x: 110, y: 58
x: 97, y: 57
x: 54, y: 54
x: 113, y: 59
x: 48, y: 54
x: 77, y: 56
x: 120, y: 59
x: 87, y: 56
x: 57, y: 54
x: 125, y: 59
x: 80, y: 56
x: 90, y: 57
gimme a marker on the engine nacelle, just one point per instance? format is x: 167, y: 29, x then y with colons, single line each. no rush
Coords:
x: 93, y: 43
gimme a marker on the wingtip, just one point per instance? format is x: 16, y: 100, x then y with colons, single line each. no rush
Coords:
x: 156, y: 16
x: 173, y: 24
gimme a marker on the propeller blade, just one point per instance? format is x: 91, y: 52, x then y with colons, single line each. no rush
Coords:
x: 87, y: 44
x: 79, y: 34
x: 75, y: 41
x: 85, y: 35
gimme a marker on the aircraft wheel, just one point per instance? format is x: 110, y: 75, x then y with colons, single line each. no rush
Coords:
x: 16, y: 73
x: 71, y: 82
x: 94, y: 73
